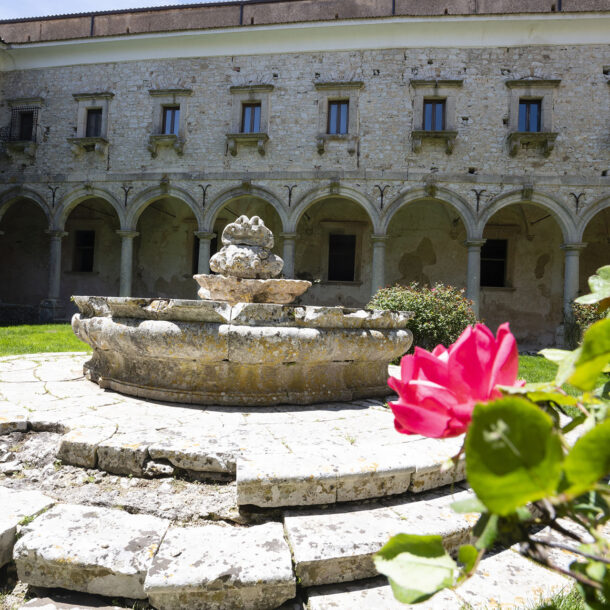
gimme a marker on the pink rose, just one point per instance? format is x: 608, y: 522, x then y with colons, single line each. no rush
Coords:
x: 437, y: 390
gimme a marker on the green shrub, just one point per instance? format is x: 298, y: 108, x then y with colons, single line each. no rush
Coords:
x: 441, y: 313
x: 582, y: 317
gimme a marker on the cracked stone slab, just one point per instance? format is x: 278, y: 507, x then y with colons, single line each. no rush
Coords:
x: 286, y: 480
x: 79, y: 446
x: 373, y: 595
x: 509, y: 580
x: 13, y: 418
x: 337, y: 545
x: 15, y: 507
x: 89, y: 549
x: 221, y: 567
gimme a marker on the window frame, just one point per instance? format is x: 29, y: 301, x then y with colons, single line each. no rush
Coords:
x: 335, y: 234
x: 174, y: 125
x: 528, y: 103
x: 15, y: 144
x: 94, y: 125
x: 339, y: 121
x: 434, y: 103
x: 490, y: 259
x: 251, y: 107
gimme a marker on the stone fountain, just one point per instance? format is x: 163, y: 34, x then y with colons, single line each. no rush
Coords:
x: 242, y: 344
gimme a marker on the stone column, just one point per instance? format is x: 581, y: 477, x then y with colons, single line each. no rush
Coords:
x: 290, y: 243
x: 55, y: 263
x: 473, y: 274
x: 378, y: 263
x: 127, y: 238
x: 51, y: 308
x: 205, y: 239
x: 571, y: 276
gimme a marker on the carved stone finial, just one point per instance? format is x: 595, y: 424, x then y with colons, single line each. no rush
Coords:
x: 246, y: 251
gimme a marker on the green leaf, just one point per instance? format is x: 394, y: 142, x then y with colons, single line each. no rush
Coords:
x: 416, y: 566
x: 485, y: 531
x: 594, y: 356
x: 468, y: 555
x: 513, y: 454
x: 556, y: 356
x: 557, y: 397
x: 564, y: 360
x: 600, y: 287
x: 470, y: 505
x: 588, y: 460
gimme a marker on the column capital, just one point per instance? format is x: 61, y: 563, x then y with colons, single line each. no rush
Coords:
x: 56, y: 233
x: 575, y: 247
x: 379, y: 239
x: 475, y: 243
x: 204, y: 235
x: 127, y: 234
x: 288, y: 235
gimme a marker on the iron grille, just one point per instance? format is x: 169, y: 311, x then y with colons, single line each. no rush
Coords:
x: 17, y: 117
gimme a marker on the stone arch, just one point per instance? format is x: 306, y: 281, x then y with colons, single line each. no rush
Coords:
x: 440, y: 194
x: 12, y: 195
x: 152, y: 194
x: 593, y: 210
x: 313, y: 196
x: 235, y: 193
x: 538, y: 198
x: 71, y: 201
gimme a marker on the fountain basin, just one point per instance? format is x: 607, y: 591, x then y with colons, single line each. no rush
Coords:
x: 212, y: 352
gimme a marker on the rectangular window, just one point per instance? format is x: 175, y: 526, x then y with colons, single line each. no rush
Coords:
x: 94, y: 123
x: 434, y: 115
x: 84, y: 243
x: 26, y: 125
x: 171, y: 120
x: 493, y: 262
x: 341, y: 258
x: 338, y: 117
x: 251, y: 118
x: 529, y: 115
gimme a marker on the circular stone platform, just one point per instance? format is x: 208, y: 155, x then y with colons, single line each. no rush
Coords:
x: 211, y: 352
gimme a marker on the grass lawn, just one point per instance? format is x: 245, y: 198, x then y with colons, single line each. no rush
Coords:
x: 33, y: 339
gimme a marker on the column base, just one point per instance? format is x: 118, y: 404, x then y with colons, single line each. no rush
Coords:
x: 52, y: 310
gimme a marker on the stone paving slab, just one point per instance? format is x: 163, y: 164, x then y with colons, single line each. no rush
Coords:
x: 220, y: 567
x: 15, y: 506
x: 337, y: 544
x: 281, y: 456
x: 12, y: 418
x: 375, y: 595
x: 46, y: 603
x: 509, y: 580
x: 89, y: 549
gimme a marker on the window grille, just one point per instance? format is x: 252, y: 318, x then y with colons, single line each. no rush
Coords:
x: 19, y: 128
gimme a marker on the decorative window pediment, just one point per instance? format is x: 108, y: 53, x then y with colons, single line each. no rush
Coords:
x: 91, y: 123
x: 526, y: 96
x: 434, y: 116
x: 249, y: 117
x: 169, y: 120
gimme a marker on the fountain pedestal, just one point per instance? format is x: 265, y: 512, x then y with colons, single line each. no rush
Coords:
x: 211, y: 352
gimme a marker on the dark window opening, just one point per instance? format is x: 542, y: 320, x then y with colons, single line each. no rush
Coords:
x: 530, y: 115
x: 434, y: 115
x: 493, y: 263
x: 84, y: 244
x: 341, y: 258
x: 251, y: 118
x: 26, y: 125
x: 338, y: 117
x: 94, y: 123
x: 171, y: 120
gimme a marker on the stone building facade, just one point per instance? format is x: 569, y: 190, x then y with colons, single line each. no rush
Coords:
x: 383, y: 141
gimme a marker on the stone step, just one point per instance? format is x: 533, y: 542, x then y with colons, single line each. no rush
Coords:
x: 337, y: 544
x: 67, y: 602
x: 88, y: 549
x: 303, y: 479
x: 219, y: 567
x: 506, y: 580
x: 16, y: 507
